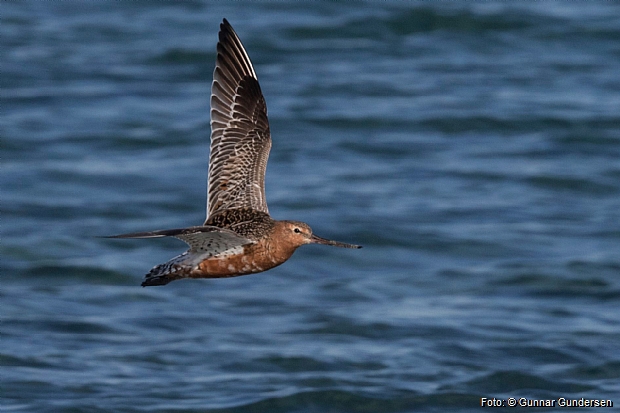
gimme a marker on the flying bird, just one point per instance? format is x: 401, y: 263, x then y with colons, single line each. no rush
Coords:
x: 239, y: 236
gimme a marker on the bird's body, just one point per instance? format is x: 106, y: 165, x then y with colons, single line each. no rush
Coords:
x: 239, y: 236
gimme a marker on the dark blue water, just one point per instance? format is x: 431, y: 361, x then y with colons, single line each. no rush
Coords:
x: 472, y: 148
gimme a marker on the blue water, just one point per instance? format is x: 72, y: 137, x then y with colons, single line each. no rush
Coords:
x: 472, y: 148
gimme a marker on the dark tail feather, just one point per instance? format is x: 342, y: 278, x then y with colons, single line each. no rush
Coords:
x: 167, y: 272
x: 151, y: 280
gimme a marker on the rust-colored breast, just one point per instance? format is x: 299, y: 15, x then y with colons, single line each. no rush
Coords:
x: 254, y: 258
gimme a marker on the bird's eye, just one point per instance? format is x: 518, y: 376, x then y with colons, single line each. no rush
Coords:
x: 296, y: 230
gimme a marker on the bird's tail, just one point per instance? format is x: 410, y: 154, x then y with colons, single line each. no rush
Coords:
x: 176, y: 268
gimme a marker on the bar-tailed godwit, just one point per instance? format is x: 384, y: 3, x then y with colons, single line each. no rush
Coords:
x: 239, y: 236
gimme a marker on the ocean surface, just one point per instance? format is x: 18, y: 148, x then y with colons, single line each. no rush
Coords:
x: 472, y: 148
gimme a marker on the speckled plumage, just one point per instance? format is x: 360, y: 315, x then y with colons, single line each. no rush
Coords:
x: 239, y: 236
x: 246, y: 222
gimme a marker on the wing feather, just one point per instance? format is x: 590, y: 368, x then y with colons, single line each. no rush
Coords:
x: 240, y: 136
x: 204, y: 239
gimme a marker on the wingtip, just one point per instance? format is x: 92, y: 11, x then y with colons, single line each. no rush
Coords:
x: 225, y: 26
x: 118, y: 236
x: 134, y: 235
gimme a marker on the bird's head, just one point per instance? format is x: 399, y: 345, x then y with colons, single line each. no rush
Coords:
x: 299, y: 233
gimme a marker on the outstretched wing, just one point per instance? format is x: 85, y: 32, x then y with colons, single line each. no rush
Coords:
x: 206, y: 240
x: 240, y: 137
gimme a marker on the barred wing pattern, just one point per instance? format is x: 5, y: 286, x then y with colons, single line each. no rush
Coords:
x: 240, y: 137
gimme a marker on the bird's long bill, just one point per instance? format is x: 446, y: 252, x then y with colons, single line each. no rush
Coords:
x: 318, y: 240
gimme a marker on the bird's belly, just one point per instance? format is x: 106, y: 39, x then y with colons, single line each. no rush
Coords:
x: 232, y: 266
